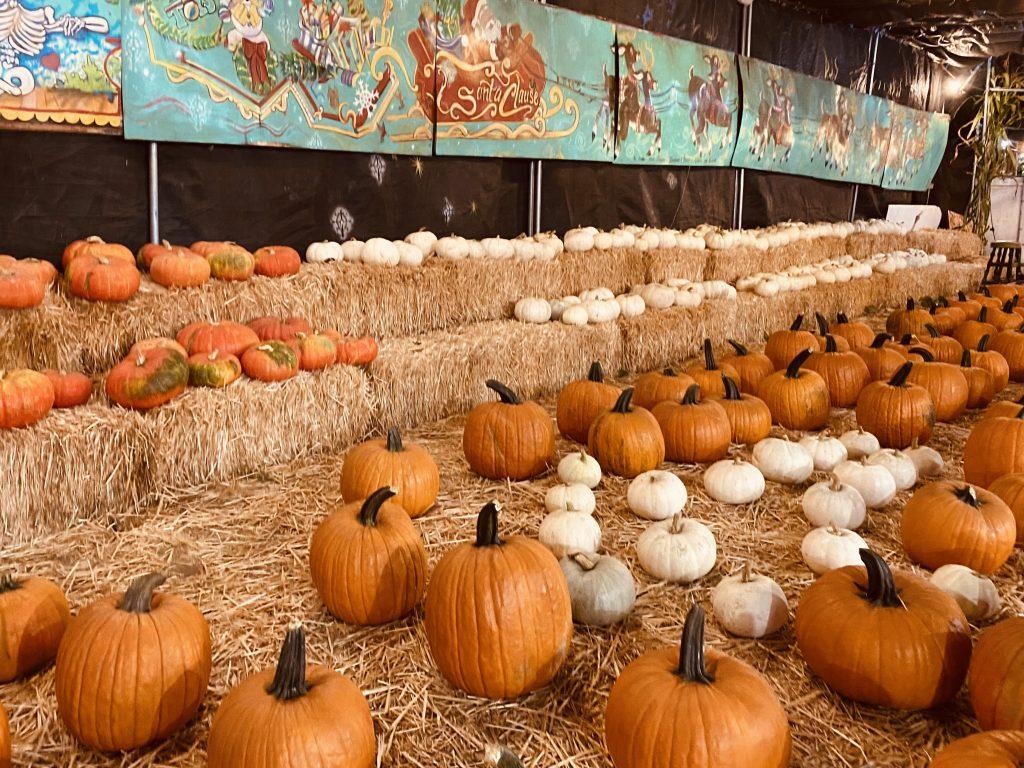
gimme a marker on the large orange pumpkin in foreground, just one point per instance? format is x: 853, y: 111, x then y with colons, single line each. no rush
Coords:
x: 406, y: 467
x: 652, y: 720
x: 132, y: 668
x: 883, y: 638
x: 25, y: 398
x: 996, y: 679
x: 627, y: 439
x: 294, y: 716
x: 994, y: 447
x: 508, y: 439
x: 148, y: 379
x: 993, y: 749
x: 368, y: 562
x: 499, y: 618
x: 798, y: 398
x: 33, y: 616
x: 895, y: 411
x: 580, y: 402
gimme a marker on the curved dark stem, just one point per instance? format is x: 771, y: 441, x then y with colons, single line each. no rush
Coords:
x: 732, y: 392
x: 879, y: 341
x: 961, y: 296
x: 691, y: 649
x: 1008, y: 306
x: 290, y: 676
x: 8, y: 583
x: 595, y: 373
x: 926, y: 354
x: 487, y: 526
x: 881, y: 589
x: 830, y: 343
x: 822, y: 323
x: 371, y: 507
x: 139, y: 596
x: 899, y: 379
x: 395, y: 440
x: 1020, y: 413
x: 965, y: 359
x: 983, y: 315
x: 983, y: 343
x: 910, y: 304
x: 933, y: 309
x: 841, y: 317
x: 907, y: 339
x: 968, y: 495
x: 622, y: 405
x: 506, y: 394
x: 985, y: 291
x: 932, y: 331
x: 793, y: 369
x: 668, y: 372
x: 797, y: 322
x: 740, y: 349
x: 690, y: 398
x: 709, y: 356
x: 943, y: 301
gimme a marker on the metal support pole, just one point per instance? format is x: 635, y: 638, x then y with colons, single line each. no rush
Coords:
x: 873, y: 55
x: 532, y: 201
x: 741, y: 174
x: 537, y: 196
x: 154, y: 195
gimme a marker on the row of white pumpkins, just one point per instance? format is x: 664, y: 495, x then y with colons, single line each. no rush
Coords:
x: 602, y: 305
x: 583, y: 239
x: 418, y: 246
x: 913, y: 258
x: 681, y: 550
x: 798, y: 278
x: 789, y: 232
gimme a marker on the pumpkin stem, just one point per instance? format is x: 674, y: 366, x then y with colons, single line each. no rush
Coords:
x: 983, y: 343
x: 709, y: 356
x: 732, y: 392
x: 835, y: 485
x: 690, y: 398
x: 983, y: 315
x: 842, y: 318
x: 965, y: 359
x: 879, y: 341
x: 290, y: 676
x: 830, y: 343
x: 668, y: 372
x: 691, y: 649
x: 395, y: 440
x: 961, y: 296
x: 740, y: 349
x: 943, y: 301
x: 622, y: 405
x: 968, y: 495
x: 910, y: 304
x: 881, y: 589
x: 595, y: 373
x: 507, y: 395
x: 793, y: 369
x: 371, y: 507
x: 487, y: 526
x: 676, y: 527
x: 584, y: 561
x: 923, y: 352
x: 8, y: 583
x: 932, y: 331
x: 822, y: 323
x: 797, y: 322
x: 746, y: 573
x: 985, y: 290
x: 899, y: 379
x: 907, y: 339
x: 139, y: 596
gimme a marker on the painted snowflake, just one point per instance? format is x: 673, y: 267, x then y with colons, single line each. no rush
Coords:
x: 342, y: 222
x: 365, y: 98
x: 447, y: 210
x: 377, y: 168
x: 671, y: 179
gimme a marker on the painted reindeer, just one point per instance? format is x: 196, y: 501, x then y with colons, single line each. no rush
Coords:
x: 603, y: 120
x: 636, y: 107
x: 707, y: 106
x: 774, y: 123
x: 833, y: 136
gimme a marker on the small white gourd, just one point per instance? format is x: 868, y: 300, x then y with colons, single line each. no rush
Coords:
x: 575, y: 315
x: 425, y: 241
x: 452, y: 247
x: 409, y: 255
x: 533, y: 309
x: 825, y: 549
x: 570, y: 496
x: 900, y: 466
x: 747, y: 604
x: 322, y: 252
x: 380, y: 252
x: 825, y: 450
x: 678, y: 550
x: 630, y: 305
x: 569, y: 531
x: 352, y: 250
x: 734, y: 481
x: 579, y: 467
x: 874, y: 483
x: 782, y: 460
x: 859, y: 443
x: 601, y: 589
x: 976, y: 595
x: 927, y: 460
x: 656, y: 495
x: 832, y: 502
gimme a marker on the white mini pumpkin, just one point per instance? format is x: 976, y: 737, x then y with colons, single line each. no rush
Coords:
x: 425, y: 241
x: 579, y: 467
x: 601, y: 589
x: 575, y: 315
x: 452, y: 247
x: 825, y: 451
x: 601, y: 310
x: 768, y: 287
x: 831, y: 547
x: 352, y: 250
x: 928, y: 461
x: 900, y: 466
x: 576, y: 497
x: 578, y: 240
x: 782, y: 460
x: 831, y: 502
x: 599, y: 294
x: 322, y: 252
x: 409, y: 255
x: 859, y: 443
x: 688, y: 297
x: 656, y: 495
x: 380, y: 252
x: 874, y: 483
x: 630, y: 304
x: 533, y: 309
x: 679, y: 550
x: 476, y: 249
x: 734, y: 481
x: 558, y: 306
x: 976, y: 595
x: 498, y: 248
x: 569, y: 531
x: 657, y: 296
x: 747, y: 604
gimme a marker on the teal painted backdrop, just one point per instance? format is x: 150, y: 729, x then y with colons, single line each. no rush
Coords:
x: 322, y: 74
x: 519, y: 79
x: 678, y: 101
x: 917, y: 144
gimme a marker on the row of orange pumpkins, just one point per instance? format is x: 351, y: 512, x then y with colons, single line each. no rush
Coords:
x: 99, y: 271
x: 157, y: 370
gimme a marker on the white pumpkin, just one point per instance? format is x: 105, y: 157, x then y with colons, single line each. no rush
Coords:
x: 352, y: 250
x: 599, y: 294
x: 452, y: 247
x: 558, y: 306
x: 733, y: 481
x: 578, y: 240
x: 688, y: 297
x: 831, y: 547
x: 782, y: 460
x: 601, y: 311
x: 569, y: 531
x: 381, y: 252
x: 630, y: 304
x: 859, y: 443
x: 825, y: 451
x: 425, y: 241
x: 601, y: 589
x: 322, y: 252
x: 927, y: 460
x: 533, y: 309
x: 747, y: 604
x: 679, y: 550
x: 874, y: 483
x: 658, y: 296
x: 656, y: 495
x: 575, y: 315
x: 524, y: 248
x: 579, y: 467
x: 976, y: 595
x: 409, y: 255
x: 476, y: 249
x: 548, y: 249
x: 768, y: 287
x: 575, y: 497
x: 498, y: 248
x: 900, y: 466
x: 830, y: 502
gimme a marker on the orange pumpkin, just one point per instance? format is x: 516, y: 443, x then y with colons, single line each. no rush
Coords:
x: 276, y: 329
x: 883, y: 638
x: 354, y: 351
x: 945, y: 318
x: 649, y: 722
x: 1005, y: 319
x: 750, y: 366
x: 368, y: 562
x: 498, y: 613
x: 1005, y: 408
x: 95, y: 247
x: 946, y: 522
x: 968, y: 306
x: 845, y: 373
x: 1010, y: 488
x: 945, y: 348
x: 25, y: 398
x: 970, y: 332
x: 783, y: 346
x: 993, y: 362
x: 98, y: 278
x: 994, y: 447
x: 508, y: 439
x: 270, y: 361
x: 985, y: 298
x: 5, y: 740
x: 316, y: 351
x: 1004, y: 293
x: 980, y: 384
x: 276, y: 261
x: 655, y: 387
x: 148, y: 379
x: 992, y: 749
x: 174, y: 266
x: 840, y: 343
x: 909, y: 320
x: 627, y: 439
x: 406, y: 467
x: 695, y: 431
x: 946, y: 385
x: 797, y: 398
x: 857, y: 334
x: 20, y: 288
x: 157, y: 342
x: 708, y: 376
x: 43, y: 271
x: 882, y: 361
x: 896, y: 411
x: 227, y: 337
x: 33, y: 616
x: 749, y: 418
x: 228, y: 261
x: 132, y: 668
x: 69, y: 389
x: 213, y: 369
x: 580, y: 402
x: 1010, y: 344
x: 996, y: 680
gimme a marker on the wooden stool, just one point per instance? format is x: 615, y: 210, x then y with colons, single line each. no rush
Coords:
x: 1003, y: 263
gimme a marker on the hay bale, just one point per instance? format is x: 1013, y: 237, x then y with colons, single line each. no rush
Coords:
x: 659, y: 337
x: 957, y: 244
x: 415, y: 380
x: 617, y: 268
x: 731, y: 263
x: 667, y: 263
x: 861, y: 244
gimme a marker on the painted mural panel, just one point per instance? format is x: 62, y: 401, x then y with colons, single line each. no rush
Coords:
x: 678, y: 101
x: 60, y: 63
x: 519, y: 79
x: 917, y: 144
x: 322, y: 74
